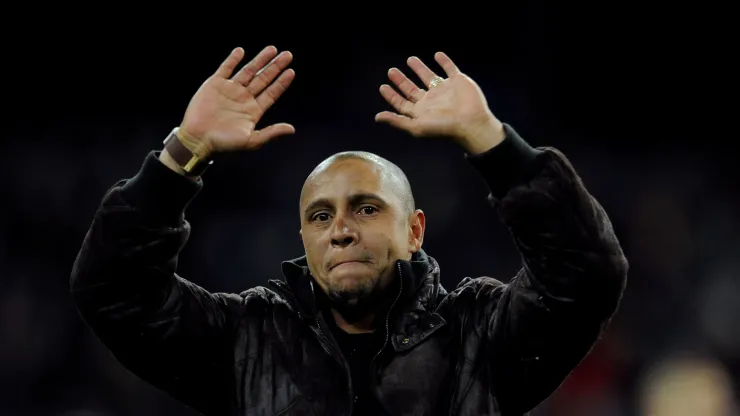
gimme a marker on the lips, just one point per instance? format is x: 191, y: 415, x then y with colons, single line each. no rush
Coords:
x: 345, y: 262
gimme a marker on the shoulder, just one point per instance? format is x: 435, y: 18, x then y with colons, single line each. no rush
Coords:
x: 472, y: 294
x: 252, y: 302
x: 478, y: 286
x: 262, y: 296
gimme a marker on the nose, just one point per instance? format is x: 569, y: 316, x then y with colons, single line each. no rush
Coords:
x: 343, y: 235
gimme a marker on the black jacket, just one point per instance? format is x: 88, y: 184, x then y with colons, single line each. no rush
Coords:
x: 485, y: 348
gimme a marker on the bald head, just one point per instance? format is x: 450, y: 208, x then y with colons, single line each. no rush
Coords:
x: 357, y: 219
x: 390, y: 173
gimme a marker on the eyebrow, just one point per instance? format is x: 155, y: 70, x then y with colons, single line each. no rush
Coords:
x: 353, y: 200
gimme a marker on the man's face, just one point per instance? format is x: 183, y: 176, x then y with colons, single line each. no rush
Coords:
x: 354, y: 228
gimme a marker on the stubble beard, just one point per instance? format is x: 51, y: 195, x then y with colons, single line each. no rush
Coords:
x: 356, y: 302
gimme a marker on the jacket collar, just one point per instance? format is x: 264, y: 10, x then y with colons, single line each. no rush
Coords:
x: 420, y: 278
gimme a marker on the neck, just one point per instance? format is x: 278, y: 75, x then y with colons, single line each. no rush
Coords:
x: 362, y: 326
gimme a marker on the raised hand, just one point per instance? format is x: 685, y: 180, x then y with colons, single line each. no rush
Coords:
x: 454, y: 107
x: 223, y: 113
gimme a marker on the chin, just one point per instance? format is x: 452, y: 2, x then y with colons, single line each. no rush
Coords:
x: 352, y: 291
x: 351, y: 288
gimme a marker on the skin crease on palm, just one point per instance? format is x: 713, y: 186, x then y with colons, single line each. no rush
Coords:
x: 357, y: 219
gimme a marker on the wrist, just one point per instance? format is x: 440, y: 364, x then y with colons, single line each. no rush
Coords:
x: 509, y: 164
x: 166, y: 158
x: 185, y: 155
x: 480, y: 137
x: 196, y: 145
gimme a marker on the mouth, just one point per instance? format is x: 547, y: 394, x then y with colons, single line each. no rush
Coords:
x: 346, y: 262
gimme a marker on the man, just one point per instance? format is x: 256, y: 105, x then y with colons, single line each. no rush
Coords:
x: 361, y: 324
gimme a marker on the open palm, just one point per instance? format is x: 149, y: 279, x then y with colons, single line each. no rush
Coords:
x: 223, y: 113
x: 447, y: 109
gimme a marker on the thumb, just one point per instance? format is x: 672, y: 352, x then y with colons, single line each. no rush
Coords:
x: 262, y: 136
x: 396, y: 120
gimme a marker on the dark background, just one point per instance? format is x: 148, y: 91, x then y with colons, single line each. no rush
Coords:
x: 634, y: 99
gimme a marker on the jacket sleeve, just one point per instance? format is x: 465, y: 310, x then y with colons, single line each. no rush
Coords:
x: 166, y: 330
x: 539, y: 326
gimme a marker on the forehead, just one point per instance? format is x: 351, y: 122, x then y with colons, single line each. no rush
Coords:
x: 343, y: 178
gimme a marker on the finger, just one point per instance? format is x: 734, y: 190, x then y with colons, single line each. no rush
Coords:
x: 422, y: 71
x: 268, y: 97
x: 269, y: 73
x: 407, y: 87
x: 268, y: 133
x: 446, y: 63
x: 401, y: 104
x: 396, y: 120
x: 253, y: 67
x: 227, y: 67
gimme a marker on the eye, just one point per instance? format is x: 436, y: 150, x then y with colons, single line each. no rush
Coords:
x: 368, y: 210
x: 320, y: 216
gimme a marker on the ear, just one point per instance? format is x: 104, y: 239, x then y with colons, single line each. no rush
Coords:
x: 417, y: 225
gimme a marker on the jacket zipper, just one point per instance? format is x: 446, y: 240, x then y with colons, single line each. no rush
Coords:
x: 387, y: 333
x: 325, y: 342
x: 340, y: 359
x: 323, y: 337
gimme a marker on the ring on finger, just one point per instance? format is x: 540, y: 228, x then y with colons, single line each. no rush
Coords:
x: 435, y: 82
